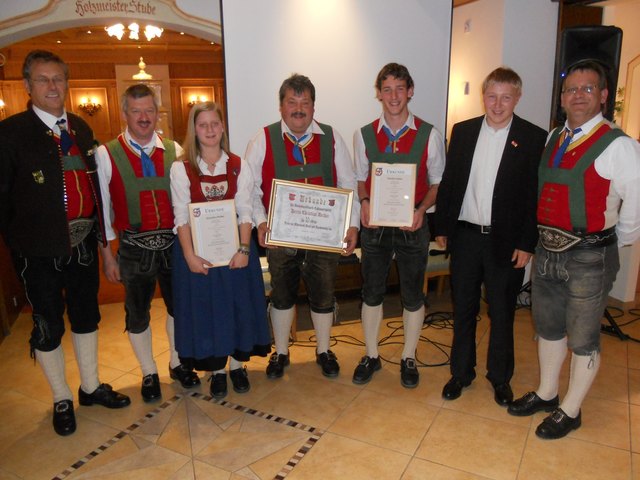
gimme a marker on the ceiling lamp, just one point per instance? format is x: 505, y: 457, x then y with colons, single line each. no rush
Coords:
x: 142, y: 75
x: 118, y: 30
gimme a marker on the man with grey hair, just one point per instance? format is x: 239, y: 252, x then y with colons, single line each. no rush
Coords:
x: 134, y: 180
x: 50, y: 217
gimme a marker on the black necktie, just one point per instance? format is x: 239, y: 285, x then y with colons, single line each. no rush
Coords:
x: 65, y: 139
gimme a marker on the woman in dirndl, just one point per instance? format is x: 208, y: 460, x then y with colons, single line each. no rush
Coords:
x: 220, y: 312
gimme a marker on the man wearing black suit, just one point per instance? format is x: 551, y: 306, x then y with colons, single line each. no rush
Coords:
x: 50, y: 217
x: 486, y: 219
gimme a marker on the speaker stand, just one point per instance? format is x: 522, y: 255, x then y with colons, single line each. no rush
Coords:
x: 613, y: 327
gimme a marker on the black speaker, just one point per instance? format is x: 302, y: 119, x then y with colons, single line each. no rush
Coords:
x: 599, y: 43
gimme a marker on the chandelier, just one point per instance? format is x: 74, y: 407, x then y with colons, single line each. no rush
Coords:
x: 118, y: 30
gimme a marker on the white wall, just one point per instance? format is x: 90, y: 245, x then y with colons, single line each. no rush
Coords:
x: 520, y: 34
x: 340, y: 45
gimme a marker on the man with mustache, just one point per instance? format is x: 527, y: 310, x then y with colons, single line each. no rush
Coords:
x: 51, y: 219
x: 298, y: 148
x: 134, y: 180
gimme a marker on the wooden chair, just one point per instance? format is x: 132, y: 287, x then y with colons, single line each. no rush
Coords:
x: 437, y: 267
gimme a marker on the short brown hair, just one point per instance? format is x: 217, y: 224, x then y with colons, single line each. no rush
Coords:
x: 503, y: 75
x: 395, y: 70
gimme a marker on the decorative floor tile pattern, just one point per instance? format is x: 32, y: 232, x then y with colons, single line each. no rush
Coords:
x: 210, y: 437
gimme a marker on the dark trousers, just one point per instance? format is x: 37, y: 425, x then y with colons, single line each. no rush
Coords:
x: 473, y: 263
x: 140, y: 269
x: 53, y: 283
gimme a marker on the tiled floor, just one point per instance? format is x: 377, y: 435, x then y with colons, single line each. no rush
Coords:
x: 305, y: 426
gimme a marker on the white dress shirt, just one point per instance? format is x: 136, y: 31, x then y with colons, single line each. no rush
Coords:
x: 478, y: 198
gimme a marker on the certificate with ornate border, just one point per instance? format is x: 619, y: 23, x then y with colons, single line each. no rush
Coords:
x: 308, y: 216
x: 393, y: 188
x: 214, y: 231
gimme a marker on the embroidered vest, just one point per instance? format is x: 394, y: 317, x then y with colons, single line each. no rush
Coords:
x: 198, y: 183
x: 318, y: 169
x: 562, y: 198
x: 412, y: 148
x: 140, y: 203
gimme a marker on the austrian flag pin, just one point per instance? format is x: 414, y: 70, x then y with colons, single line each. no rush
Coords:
x: 514, y: 143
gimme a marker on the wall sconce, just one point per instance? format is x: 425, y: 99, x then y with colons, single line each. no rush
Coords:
x: 2, y: 105
x: 90, y: 107
x: 193, y: 99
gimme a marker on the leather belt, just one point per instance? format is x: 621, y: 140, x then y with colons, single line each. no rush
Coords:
x: 559, y: 240
x: 153, y: 240
x: 483, y: 229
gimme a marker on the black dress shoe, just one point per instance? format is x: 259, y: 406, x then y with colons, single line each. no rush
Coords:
x: 103, y: 395
x: 218, y: 387
x: 531, y: 403
x: 558, y: 424
x: 187, y: 378
x: 453, y: 389
x: 502, y: 394
x: 409, y: 376
x: 64, y: 420
x: 277, y: 362
x: 365, y: 369
x: 329, y: 363
x: 150, y: 387
x: 240, y: 380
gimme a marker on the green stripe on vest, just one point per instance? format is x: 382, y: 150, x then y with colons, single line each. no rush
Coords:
x: 73, y: 162
x: 573, y: 178
x: 284, y: 171
x: 133, y: 185
x: 413, y: 157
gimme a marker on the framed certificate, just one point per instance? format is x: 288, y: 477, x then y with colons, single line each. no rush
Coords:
x: 393, y: 188
x: 214, y: 230
x: 308, y: 216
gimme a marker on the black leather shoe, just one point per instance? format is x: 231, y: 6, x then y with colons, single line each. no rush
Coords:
x: 150, y: 387
x: 64, y: 420
x: 531, y: 403
x: 329, y: 363
x: 187, y: 378
x: 453, y: 389
x: 240, y: 380
x: 277, y: 362
x: 103, y: 395
x: 218, y: 387
x: 409, y: 376
x: 558, y: 424
x: 365, y: 369
x: 502, y: 394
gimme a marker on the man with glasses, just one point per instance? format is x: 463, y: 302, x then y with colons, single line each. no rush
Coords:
x: 50, y: 217
x: 588, y: 206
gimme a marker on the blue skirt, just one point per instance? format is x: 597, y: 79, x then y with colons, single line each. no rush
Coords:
x: 221, y: 314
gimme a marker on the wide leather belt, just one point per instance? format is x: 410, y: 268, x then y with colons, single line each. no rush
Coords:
x: 559, y: 240
x: 484, y: 229
x: 79, y: 229
x: 153, y: 240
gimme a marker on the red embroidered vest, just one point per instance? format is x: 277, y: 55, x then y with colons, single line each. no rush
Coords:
x: 313, y: 155
x: 140, y: 203
x: 405, y: 152
x: 209, y: 188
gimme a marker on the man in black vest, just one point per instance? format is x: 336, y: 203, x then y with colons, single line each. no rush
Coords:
x: 50, y: 217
